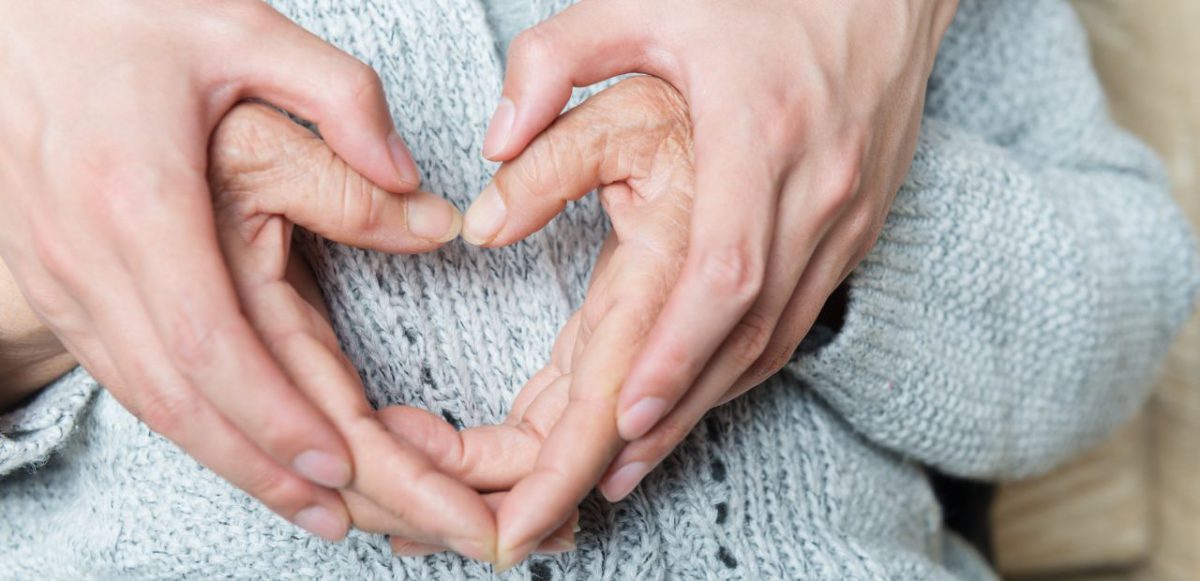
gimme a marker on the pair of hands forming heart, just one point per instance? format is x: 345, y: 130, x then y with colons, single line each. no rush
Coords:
x: 494, y: 493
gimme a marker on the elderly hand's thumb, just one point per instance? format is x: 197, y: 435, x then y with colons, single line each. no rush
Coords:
x: 263, y: 163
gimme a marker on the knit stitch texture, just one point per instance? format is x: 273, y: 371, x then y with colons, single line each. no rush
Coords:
x: 1014, y: 312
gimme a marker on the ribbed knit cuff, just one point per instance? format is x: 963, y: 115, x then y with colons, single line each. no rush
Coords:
x: 31, y: 433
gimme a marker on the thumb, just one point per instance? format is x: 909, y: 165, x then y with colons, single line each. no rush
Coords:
x: 263, y: 161
x: 587, y: 43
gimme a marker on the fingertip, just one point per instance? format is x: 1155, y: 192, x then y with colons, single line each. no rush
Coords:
x: 485, y: 217
x: 323, y: 522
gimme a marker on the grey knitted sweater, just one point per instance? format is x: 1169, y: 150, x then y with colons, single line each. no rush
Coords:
x: 1026, y: 285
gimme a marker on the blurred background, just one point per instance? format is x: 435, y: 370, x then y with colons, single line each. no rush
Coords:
x: 1130, y: 510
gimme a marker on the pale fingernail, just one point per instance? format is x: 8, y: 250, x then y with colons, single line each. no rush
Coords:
x: 640, y: 417
x: 499, y: 128
x: 413, y: 550
x: 432, y: 218
x: 322, y: 468
x: 556, y: 545
x: 485, y: 217
x: 624, y: 480
x: 507, y: 559
x: 406, y: 168
x: 321, y: 521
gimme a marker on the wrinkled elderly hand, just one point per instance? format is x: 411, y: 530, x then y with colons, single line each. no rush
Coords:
x: 633, y: 142
x: 268, y: 174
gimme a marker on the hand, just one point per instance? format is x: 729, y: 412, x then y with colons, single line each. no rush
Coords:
x: 805, y: 117
x: 633, y: 141
x: 107, y: 225
x: 267, y: 174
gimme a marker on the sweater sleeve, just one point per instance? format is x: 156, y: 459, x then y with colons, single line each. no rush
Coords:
x: 30, y: 434
x: 1032, y: 274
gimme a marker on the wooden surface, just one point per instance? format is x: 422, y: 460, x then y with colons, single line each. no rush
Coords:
x: 1092, y: 514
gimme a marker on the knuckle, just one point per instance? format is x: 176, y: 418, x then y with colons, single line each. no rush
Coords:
x: 774, y: 358
x: 192, y: 344
x: 750, y: 339
x: 530, y: 47
x: 862, y: 229
x: 362, y: 83
x: 52, y: 251
x: 278, y: 489
x: 167, y: 412
x: 733, y: 271
x: 845, y: 177
x: 240, y: 147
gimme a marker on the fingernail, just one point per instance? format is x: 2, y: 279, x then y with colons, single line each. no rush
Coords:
x: 321, y: 521
x: 322, y: 468
x: 624, y: 480
x: 432, y: 218
x: 556, y: 545
x: 499, y: 128
x: 413, y: 550
x: 485, y: 217
x: 406, y: 168
x: 508, y: 558
x: 640, y: 417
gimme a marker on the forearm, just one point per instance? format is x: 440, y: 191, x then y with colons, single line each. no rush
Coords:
x: 30, y: 355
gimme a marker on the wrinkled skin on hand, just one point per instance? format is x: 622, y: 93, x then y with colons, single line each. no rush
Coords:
x: 633, y: 143
x: 268, y: 174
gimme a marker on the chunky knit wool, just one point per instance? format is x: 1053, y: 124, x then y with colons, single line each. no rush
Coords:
x: 1022, y: 293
